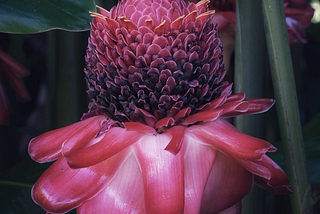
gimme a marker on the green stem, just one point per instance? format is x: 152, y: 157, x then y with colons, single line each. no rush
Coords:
x: 12, y: 183
x: 287, y: 105
x: 250, y: 77
x: 66, y: 84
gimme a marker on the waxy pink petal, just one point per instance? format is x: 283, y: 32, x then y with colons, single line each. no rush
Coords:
x: 81, y: 137
x: 47, y: 147
x: 162, y: 174
x: 230, y: 141
x: 255, y: 106
x: 60, y: 188
x: 272, y: 177
x: 124, y: 194
x: 198, y: 162
x: 110, y: 143
x: 177, y: 134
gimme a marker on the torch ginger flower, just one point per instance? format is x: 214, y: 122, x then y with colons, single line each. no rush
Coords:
x: 155, y: 139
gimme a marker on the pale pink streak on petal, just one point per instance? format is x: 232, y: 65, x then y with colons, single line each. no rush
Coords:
x: 162, y: 174
x: 230, y: 141
x: 238, y: 107
x: 113, y: 141
x: 227, y: 184
x: 124, y: 194
x: 235, y: 97
x: 60, y: 188
x: 47, y: 147
x: 198, y: 162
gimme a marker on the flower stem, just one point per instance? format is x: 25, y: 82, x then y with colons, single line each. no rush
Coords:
x: 287, y: 105
x: 65, y: 80
x: 13, y: 183
x: 250, y: 77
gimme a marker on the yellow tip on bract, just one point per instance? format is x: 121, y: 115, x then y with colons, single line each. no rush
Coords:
x: 176, y: 24
x: 205, y: 15
x: 160, y: 28
x: 203, y: 2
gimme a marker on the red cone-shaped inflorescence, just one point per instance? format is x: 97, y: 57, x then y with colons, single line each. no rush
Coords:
x: 152, y: 60
x: 155, y: 139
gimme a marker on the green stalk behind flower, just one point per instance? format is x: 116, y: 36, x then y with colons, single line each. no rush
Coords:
x: 287, y: 105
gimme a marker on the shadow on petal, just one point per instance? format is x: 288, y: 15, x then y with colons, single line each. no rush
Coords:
x: 227, y: 184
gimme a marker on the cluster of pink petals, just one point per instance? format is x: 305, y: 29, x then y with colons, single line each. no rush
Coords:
x: 202, y: 165
x: 298, y: 16
x: 12, y: 71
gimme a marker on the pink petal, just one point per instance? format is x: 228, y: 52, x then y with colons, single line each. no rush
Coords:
x: 60, y: 188
x: 124, y: 194
x: 162, y: 174
x: 163, y: 123
x: 255, y: 106
x: 234, y: 108
x: 230, y: 141
x: 198, y: 162
x: 177, y: 134
x: 110, y: 143
x: 203, y: 116
x: 139, y: 127
x: 47, y: 147
x: 235, y: 97
x: 153, y: 49
x: 82, y: 136
x: 214, y: 103
x: 227, y: 184
x: 271, y: 176
x: 296, y: 31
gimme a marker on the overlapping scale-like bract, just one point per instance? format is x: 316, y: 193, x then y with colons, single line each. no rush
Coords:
x: 150, y: 59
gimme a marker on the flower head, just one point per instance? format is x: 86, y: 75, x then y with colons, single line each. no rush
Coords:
x: 155, y: 139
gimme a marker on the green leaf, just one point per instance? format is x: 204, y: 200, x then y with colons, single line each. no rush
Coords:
x: 34, y: 16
